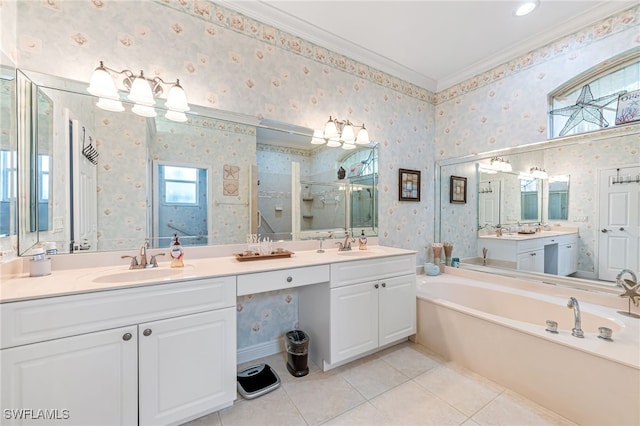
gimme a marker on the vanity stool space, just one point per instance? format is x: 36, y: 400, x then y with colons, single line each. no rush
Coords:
x: 368, y: 305
x: 156, y: 354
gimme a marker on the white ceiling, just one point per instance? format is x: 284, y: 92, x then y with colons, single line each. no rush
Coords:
x: 433, y: 44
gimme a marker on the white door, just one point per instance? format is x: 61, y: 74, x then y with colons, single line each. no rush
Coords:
x: 91, y: 379
x: 84, y: 186
x: 489, y: 203
x: 354, y: 320
x: 397, y: 307
x: 619, y: 224
x: 187, y: 366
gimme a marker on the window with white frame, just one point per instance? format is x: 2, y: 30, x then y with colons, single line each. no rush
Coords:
x: 180, y: 185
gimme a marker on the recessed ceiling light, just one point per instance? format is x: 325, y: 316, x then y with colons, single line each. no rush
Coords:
x: 526, y: 8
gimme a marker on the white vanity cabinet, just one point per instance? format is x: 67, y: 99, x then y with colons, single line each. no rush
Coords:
x: 556, y: 254
x: 371, y: 304
x: 159, y: 354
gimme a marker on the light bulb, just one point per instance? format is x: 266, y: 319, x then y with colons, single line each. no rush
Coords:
x: 363, y: 137
x: 330, y: 129
x: 180, y: 117
x: 348, y: 134
x: 317, y: 138
x: 110, y: 105
x: 144, y: 110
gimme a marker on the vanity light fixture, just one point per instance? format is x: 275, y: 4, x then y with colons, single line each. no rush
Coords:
x: 142, y: 91
x: 526, y: 7
x: 539, y: 173
x: 500, y: 164
x: 341, y: 133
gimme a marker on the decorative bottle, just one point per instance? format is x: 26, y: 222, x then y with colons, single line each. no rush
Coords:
x: 177, y: 254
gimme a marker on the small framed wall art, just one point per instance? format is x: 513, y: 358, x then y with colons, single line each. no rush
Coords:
x: 409, y: 185
x: 458, y: 190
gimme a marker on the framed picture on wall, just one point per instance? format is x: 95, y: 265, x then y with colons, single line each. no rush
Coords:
x: 458, y: 190
x: 409, y: 185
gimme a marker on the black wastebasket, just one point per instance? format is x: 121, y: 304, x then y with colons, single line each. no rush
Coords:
x: 297, y: 345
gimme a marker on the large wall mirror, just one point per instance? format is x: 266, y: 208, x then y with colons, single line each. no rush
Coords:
x: 8, y: 159
x: 573, y: 193
x: 99, y: 180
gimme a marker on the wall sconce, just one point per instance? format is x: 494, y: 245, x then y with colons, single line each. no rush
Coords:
x: 142, y: 91
x: 538, y: 173
x: 341, y: 133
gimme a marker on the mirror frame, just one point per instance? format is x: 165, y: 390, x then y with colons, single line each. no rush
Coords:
x: 600, y: 135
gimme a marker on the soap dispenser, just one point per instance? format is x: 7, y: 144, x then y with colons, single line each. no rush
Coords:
x: 362, y: 241
x: 177, y: 254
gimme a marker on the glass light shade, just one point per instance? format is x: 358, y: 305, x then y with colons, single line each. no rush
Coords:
x: 110, y: 105
x: 334, y: 143
x: 140, y: 91
x: 144, y: 110
x: 180, y: 117
x: 102, y: 85
x: 318, y: 138
x: 347, y: 145
x: 348, y: 135
x: 363, y: 137
x: 177, y: 99
x: 330, y: 129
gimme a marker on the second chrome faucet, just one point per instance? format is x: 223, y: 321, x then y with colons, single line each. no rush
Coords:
x: 152, y: 263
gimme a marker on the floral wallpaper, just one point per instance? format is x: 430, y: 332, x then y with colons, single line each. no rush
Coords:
x: 230, y: 62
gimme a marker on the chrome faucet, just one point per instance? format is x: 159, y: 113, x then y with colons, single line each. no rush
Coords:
x: 152, y: 263
x: 143, y: 253
x: 577, y: 330
x: 346, y: 245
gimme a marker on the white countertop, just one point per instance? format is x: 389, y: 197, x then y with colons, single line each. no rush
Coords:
x: 83, y: 280
x: 519, y: 237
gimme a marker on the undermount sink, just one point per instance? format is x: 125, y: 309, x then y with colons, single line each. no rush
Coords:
x: 138, y: 275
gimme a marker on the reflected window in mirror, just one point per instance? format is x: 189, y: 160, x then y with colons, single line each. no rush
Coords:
x: 599, y: 89
x: 8, y: 176
x: 529, y: 199
x: 558, y: 198
x: 44, y: 189
x: 182, y: 209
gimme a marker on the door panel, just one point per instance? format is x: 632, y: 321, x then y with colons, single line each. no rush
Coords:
x: 619, y: 223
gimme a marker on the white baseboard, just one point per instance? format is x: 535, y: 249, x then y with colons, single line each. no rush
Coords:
x: 260, y: 350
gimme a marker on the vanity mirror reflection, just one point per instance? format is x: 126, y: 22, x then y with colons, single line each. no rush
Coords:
x: 114, y: 179
x: 8, y: 159
x: 577, y: 193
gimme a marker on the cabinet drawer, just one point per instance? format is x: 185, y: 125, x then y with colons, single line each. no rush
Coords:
x: 532, y: 244
x: 281, y: 279
x: 346, y: 273
x: 45, y: 319
x: 562, y: 239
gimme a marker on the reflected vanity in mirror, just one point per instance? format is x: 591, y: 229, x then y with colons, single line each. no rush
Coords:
x: 101, y: 180
x: 574, y: 196
x: 8, y: 160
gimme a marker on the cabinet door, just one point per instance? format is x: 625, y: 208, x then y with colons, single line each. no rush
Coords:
x: 397, y: 306
x: 567, y: 259
x: 187, y: 366
x: 532, y: 261
x: 354, y: 320
x: 81, y: 380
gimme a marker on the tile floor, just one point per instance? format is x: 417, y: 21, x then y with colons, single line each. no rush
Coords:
x: 402, y: 385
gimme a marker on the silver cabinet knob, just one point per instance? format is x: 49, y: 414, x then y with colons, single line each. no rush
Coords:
x: 289, y: 279
x: 126, y: 337
x: 147, y: 332
x: 376, y: 285
x: 384, y: 284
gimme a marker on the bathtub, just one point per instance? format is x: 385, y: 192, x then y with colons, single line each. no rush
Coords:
x: 498, y: 331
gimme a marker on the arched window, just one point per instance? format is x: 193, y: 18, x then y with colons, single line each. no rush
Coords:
x: 363, y: 162
x: 606, y: 96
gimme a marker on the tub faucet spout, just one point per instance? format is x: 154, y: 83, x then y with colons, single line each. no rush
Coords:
x: 577, y: 330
